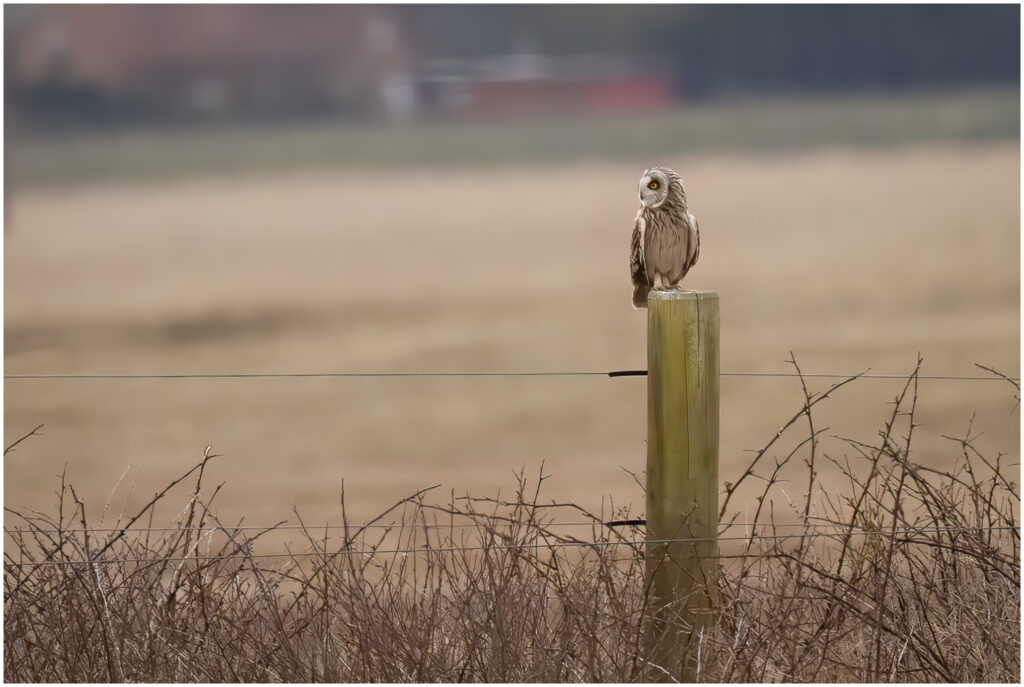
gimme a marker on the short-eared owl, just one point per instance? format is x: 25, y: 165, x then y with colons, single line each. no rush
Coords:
x: 666, y: 241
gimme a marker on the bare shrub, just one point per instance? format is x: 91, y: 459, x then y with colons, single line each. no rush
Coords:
x: 912, y: 574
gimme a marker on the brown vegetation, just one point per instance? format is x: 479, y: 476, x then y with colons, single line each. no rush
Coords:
x: 909, y: 573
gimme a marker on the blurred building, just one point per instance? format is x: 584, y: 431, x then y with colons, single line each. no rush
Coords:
x: 188, y: 59
x: 528, y: 83
x: 111, y: 63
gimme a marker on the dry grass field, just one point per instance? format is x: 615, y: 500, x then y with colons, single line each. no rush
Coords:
x: 851, y: 259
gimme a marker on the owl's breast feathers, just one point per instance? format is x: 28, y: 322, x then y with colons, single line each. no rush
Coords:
x: 665, y: 245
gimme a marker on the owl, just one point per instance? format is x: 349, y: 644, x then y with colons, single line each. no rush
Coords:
x: 666, y: 241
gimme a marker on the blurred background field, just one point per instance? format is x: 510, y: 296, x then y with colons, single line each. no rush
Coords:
x: 746, y: 126
x: 464, y: 203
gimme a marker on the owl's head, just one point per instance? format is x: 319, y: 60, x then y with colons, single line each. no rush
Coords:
x: 657, y: 184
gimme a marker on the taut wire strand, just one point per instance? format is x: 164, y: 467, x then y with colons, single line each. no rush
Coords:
x: 553, y: 373
x: 494, y: 547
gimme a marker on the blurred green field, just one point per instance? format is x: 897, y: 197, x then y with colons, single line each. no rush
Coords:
x: 741, y: 126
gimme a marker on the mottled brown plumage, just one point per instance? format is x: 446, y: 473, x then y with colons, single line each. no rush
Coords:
x: 666, y: 241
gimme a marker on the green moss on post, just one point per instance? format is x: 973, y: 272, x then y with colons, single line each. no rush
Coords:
x: 682, y: 477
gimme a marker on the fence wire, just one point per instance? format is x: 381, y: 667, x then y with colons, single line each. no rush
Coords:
x: 552, y: 373
x: 898, y: 535
x: 439, y: 526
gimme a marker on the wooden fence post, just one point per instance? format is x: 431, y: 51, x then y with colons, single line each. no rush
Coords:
x: 682, y: 478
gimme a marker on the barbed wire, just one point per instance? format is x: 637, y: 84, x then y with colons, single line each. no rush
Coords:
x: 892, y: 534
x: 552, y: 373
x: 371, y: 552
x: 28, y: 529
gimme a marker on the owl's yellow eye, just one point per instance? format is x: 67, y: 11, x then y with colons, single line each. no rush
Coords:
x: 653, y: 185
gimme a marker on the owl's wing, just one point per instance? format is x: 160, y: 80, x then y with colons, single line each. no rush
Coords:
x: 693, y: 245
x: 637, y: 268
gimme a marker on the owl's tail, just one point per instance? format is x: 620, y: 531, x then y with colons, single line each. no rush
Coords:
x: 640, y: 296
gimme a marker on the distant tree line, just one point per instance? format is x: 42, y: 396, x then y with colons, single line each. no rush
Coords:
x: 718, y: 49
x: 707, y: 51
